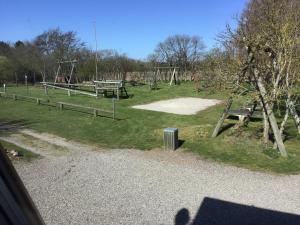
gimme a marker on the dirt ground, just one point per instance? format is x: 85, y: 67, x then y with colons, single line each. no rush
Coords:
x: 180, y: 106
x: 73, y: 183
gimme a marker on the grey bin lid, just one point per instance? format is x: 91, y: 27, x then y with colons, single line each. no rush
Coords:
x: 170, y: 129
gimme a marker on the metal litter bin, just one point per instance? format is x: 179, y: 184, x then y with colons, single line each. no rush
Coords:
x: 171, y: 138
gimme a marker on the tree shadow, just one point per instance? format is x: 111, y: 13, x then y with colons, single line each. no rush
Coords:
x: 226, y: 127
x: 218, y: 212
x: 13, y: 125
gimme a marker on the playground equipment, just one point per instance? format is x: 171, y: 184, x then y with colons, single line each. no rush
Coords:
x: 244, y: 114
x: 66, y: 79
x: 268, y: 114
x: 66, y: 72
x: 106, y: 86
x: 167, y: 73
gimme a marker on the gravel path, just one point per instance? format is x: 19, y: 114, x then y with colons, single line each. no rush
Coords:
x: 135, y: 187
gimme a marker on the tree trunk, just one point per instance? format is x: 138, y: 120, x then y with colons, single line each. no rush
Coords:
x: 283, y: 123
x: 269, y: 112
x: 293, y: 111
x: 222, y: 117
x: 266, y: 135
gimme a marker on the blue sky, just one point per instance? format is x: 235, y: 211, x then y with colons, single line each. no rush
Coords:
x: 129, y: 26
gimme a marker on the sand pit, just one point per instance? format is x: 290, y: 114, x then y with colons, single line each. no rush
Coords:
x: 181, y: 106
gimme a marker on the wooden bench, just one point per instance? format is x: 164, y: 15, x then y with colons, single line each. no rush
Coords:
x: 96, y: 111
x: 112, y: 86
x: 242, y: 114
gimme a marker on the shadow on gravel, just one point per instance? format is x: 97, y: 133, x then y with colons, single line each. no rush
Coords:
x: 218, y: 212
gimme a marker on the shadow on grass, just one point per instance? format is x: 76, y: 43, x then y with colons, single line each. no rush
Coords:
x: 180, y: 143
x: 13, y: 125
x: 225, y: 127
x: 218, y: 212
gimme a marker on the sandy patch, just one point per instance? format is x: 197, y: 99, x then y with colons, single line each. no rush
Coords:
x: 181, y: 106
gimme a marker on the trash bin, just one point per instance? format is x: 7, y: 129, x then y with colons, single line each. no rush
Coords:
x: 171, y: 138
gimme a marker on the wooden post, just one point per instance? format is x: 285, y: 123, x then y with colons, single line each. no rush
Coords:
x: 69, y: 93
x: 269, y: 112
x: 26, y: 83
x: 222, y: 117
x: 4, y: 88
x: 173, y: 77
x: 95, y: 112
x: 114, y: 108
x: 46, y: 89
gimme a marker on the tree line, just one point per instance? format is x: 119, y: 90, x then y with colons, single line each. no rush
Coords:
x: 38, y: 58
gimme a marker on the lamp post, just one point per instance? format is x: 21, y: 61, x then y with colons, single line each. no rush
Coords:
x: 26, y: 82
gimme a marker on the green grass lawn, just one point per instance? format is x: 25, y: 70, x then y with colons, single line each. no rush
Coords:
x: 143, y: 129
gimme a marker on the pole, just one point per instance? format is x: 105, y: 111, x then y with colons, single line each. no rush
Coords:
x: 4, y: 87
x: 96, y: 53
x: 26, y: 83
x: 114, y: 108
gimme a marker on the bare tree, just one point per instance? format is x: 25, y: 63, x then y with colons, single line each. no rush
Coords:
x: 61, y: 45
x: 180, y: 50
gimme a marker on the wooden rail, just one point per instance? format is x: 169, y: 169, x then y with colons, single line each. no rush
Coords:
x: 96, y: 111
x: 69, y: 90
x: 19, y: 97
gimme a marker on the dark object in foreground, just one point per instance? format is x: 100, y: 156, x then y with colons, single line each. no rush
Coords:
x: 16, y: 206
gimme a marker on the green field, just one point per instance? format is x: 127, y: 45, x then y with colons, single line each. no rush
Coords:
x: 141, y: 129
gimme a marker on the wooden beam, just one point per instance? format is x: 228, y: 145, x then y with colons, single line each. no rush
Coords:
x: 269, y: 113
x: 71, y: 90
x: 222, y: 117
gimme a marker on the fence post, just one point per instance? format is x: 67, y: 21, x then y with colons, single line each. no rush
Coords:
x: 46, y: 89
x: 114, y: 108
x: 4, y: 88
x: 26, y: 83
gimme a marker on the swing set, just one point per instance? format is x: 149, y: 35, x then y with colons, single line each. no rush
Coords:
x: 66, y: 72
